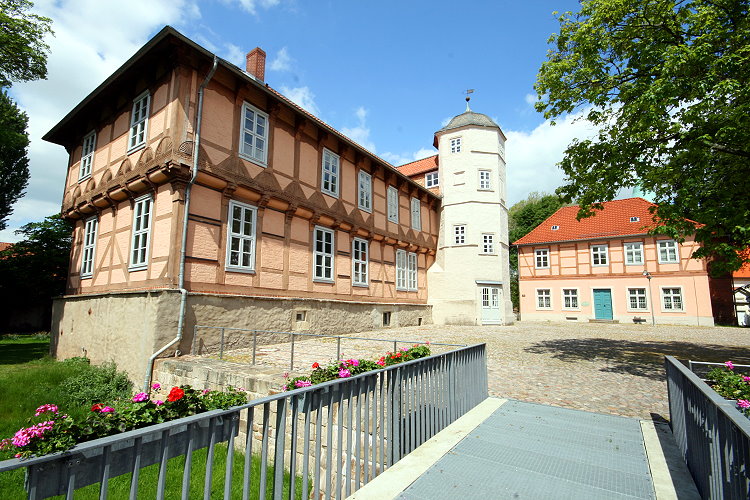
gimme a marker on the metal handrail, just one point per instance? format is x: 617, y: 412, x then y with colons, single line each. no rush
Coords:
x: 389, y: 412
x: 292, y: 336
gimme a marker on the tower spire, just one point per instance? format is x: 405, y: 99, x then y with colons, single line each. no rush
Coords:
x: 468, y: 93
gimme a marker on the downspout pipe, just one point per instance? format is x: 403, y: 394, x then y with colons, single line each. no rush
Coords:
x: 183, y: 244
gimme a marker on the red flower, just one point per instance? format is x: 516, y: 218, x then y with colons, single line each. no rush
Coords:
x: 97, y: 407
x: 175, y: 394
x: 315, y: 366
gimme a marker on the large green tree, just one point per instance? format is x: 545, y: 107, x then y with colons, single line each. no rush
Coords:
x: 522, y: 218
x: 35, y: 269
x: 14, y: 164
x: 667, y: 83
x: 23, y: 52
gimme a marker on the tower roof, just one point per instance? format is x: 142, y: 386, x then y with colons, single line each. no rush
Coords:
x: 469, y: 118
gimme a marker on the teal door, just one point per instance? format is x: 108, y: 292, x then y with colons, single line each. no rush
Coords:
x: 603, y: 304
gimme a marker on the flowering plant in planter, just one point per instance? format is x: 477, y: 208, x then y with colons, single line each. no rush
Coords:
x: 346, y: 368
x: 731, y: 385
x: 51, y: 431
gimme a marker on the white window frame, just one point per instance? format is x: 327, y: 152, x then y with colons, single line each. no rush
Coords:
x: 596, y: 251
x: 633, y: 249
x: 485, y: 180
x: 241, y: 236
x: 88, y: 253
x: 670, y: 247
x: 671, y: 298
x: 547, y: 295
x: 541, y: 255
x: 330, y: 173
x: 574, y: 297
x: 140, y: 234
x: 488, y: 243
x: 401, y: 271
x: 254, y: 155
x: 139, y: 122
x: 416, y: 214
x: 411, y: 271
x: 360, y: 262
x: 364, y: 191
x: 87, y: 156
x: 455, y: 145
x: 327, y: 275
x: 431, y: 179
x: 392, y: 195
x: 459, y: 234
x: 633, y: 294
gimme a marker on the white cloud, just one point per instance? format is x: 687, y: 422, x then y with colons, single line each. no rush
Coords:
x: 250, y: 6
x: 402, y: 158
x: 303, y: 97
x: 92, y: 39
x: 234, y: 55
x: 533, y: 156
x: 360, y: 133
x: 282, y: 61
x: 530, y: 99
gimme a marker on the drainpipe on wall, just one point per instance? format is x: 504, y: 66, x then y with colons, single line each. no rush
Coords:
x: 183, y: 245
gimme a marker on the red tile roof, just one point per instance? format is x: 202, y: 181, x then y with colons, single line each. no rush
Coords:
x: 420, y: 166
x: 743, y: 272
x: 5, y: 246
x: 611, y: 222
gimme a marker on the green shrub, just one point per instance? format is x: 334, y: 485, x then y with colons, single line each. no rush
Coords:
x: 96, y: 384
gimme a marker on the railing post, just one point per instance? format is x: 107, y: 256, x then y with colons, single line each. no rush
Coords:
x: 291, y: 358
x: 338, y: 349
x: 221, y: 345
x: 255, y: 343
x: 395, y: 431
x: 195, y: 337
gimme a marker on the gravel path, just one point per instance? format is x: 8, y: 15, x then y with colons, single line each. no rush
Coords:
x: 608, y: 368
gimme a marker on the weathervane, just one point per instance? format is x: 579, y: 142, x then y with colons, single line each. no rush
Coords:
x: 468, y: 93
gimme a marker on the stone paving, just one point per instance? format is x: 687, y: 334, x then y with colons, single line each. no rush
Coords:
x: 608, y: 368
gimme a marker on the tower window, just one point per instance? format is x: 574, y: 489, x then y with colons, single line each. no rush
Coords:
x: 456, y: 145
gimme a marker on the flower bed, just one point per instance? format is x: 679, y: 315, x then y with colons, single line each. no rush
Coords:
x: 346, y: 368
x: 51, y: 430
x: 731, y: 385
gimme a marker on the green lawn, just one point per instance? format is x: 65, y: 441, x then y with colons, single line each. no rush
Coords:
x: 30, y: 378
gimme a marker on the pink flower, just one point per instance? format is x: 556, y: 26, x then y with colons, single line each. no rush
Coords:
x: 158, y: 402
x: 107, y: 409
x: 156, y: 386
x: 380, y: 362
x: 284, y: 388
x: 746, y: 379
x: 140, y: 397
x: 205, y: 391
x: 286, y: 374
x: 729, y: 365
x: 303, y: 383
x: 344, y: 373
x: 24, y: 436
x: 743, y: 403
x: 404, y: 349
x: 46, y: 408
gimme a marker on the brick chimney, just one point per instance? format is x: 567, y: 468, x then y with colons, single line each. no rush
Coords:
x: 255, y: 63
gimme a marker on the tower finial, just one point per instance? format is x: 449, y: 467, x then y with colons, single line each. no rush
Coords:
x: 468, y: 93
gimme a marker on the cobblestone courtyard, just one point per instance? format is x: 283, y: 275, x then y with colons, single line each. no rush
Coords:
x: 609, y: 368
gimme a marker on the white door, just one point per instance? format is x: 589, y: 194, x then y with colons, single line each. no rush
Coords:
x: 491, y: 305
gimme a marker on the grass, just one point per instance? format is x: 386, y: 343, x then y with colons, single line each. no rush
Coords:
x: 30, y: 378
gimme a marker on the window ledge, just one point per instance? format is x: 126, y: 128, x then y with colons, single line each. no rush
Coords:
x: 137, y: 148
x: 324, y: 281
x: 361, y: 285
x: 239, y: 270
x: 84, y: 178
x: 86, y: 276
x: 249, y: 158
x: 142, y: 267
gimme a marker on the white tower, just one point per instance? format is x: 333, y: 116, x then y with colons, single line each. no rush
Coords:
x: 469, y: 283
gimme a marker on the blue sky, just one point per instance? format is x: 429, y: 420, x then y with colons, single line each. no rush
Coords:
x: 386, y: 73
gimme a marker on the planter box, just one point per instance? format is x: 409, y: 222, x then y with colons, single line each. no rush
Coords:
x: 85, y: 463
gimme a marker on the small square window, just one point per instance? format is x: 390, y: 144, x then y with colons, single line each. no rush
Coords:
x: 635, y: 219
x: 488, y: 243
x: 456, y: 145
x: 543, y: 298
x: 541, y: 258
x: 387, y: 318
x: 633, y: 253
x: 431, y: 179
x: 672, y: 299
x: 637, y: 299
x: 570, y: 298
x: 300, y: 316
x: 485, y: 182
x: 599, y: 255
x: 459, y: 234
x: 668, y: 252
x: 555, y: 228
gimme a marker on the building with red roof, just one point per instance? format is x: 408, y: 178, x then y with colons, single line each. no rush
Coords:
x: 610, y: 267
x: 741, y: 284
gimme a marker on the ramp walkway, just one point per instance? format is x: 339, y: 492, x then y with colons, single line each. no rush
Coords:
x: 517, y: 450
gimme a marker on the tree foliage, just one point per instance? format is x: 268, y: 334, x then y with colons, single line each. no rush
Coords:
x: 14, y: 165
x: 666, y: 82
x: 35, y: 269
x: 522, y: 218
x: 23, y: 52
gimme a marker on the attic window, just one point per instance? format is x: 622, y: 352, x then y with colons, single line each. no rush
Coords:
x: 635, y: 219
x: 555, y: 227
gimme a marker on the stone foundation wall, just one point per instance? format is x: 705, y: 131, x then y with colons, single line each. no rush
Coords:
x: 128, y: 327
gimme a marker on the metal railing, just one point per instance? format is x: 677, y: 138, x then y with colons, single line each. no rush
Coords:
x: 326, y: 440
x: 713, y: 436
x: 701, y: 368
x: 248, y: 338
